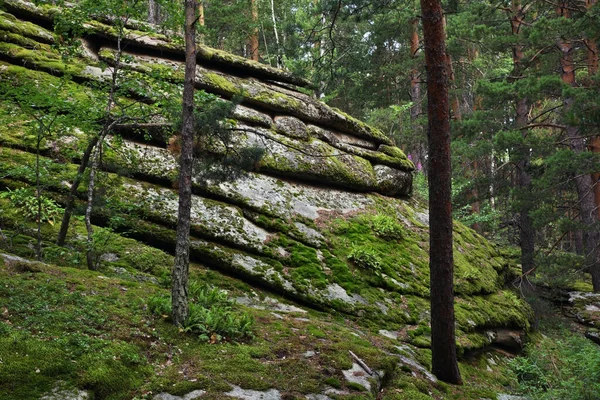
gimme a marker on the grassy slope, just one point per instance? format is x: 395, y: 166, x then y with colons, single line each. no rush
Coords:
x: 92, y: 330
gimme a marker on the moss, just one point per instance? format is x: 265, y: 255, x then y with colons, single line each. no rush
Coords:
x: 278, y: 100
x: 20, y: 40
x: 10, y: 23
x: 42, y: 60
x: 363, y: 129
x: 397, y: 155
x: 221, y: 83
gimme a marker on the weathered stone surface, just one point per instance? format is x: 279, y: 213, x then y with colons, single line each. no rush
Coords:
x: 251, y: 116
x: 357, y: 375
x: 291, y: 126
x: 59, y: 392
x: 283, y: 198
x: 218, y: 220
x: 248, y: 394
x: 190, y: 396
x: 313, y: 161
x: 291, y: 223
x: 507, y: 338
x: 392, y: 182
x: 586, y: 307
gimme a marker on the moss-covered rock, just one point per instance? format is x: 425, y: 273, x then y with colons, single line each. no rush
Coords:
x: 324, y: 217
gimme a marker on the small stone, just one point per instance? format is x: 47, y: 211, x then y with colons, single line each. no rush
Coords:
x: 278, y: 316
x: 357, y: 375
x: 388, y: 334
x: 109, y: 257
x: 246, y: 394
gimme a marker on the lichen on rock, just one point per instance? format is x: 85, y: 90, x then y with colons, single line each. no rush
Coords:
x: 305, y: 222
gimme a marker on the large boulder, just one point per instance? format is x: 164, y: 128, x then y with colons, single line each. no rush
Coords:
x: 324, y: 217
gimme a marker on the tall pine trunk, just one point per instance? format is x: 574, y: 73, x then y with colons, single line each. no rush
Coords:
x: 592, y: 62
x: 583, y: 182
x: 443, y: 342
x: 526, y: 231
x: 179, y: 289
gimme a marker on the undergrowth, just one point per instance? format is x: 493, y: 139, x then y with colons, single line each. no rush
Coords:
x: 211, y: 314
x: 561, y: 366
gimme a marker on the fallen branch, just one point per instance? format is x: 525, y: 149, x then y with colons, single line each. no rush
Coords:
x: 361, y: 363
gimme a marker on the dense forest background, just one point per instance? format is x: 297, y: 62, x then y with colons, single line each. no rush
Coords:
x: 524, y: 101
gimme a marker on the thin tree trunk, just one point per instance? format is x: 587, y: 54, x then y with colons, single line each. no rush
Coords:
x: 254, y: 36
x: 415, y: 78
x: 474, y: 195
x: 279, y: 54
x: 38, y: 193
x: 201, y: 19
x: 153, y: 12
x: 443, y: 342
x: 70, y: 203
x: 587, y: 212
x: 97, y: 152
x: 90, y: 253
x: 523, y: 178
x: 179, y: 289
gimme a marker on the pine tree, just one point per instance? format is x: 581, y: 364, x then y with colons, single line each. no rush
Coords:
x: 443, y: 342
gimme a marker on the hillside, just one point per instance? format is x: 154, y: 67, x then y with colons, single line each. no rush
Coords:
x: 319, y: 241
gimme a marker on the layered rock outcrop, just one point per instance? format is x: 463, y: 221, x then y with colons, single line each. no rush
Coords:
x: 324, y: 217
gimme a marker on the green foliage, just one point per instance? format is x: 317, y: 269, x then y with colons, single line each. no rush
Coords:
x: 218, y: 323
x: 25, y: 201
x: 420, y: 187
x: 365, y: 257
x: 565, y: 366
x: 212, y: 315
x: 386, y: 227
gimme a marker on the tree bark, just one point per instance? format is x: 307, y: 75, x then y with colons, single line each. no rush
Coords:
x: 153, y: 12
x: 526, y: 231
x: 254, y: 36
x: 583, y: 182
x: 64, y: 226
x: 592, y: 61
x: 179, y: 289
x: 443, y: 342
x: 90, y: 253
x: 279, y: 62
x: 415, y: 78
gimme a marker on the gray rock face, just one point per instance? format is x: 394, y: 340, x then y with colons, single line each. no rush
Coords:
x: 586, y: 307
x: 59, y: 392
x: 291, y: 222
x: 190, y: 396
x: 508, y: 338
x: 247, y: 394
x: 251, y: 116
x: 291, y: 126
x: 357, y: 375
x: 392, y: 182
